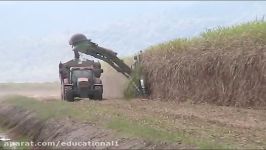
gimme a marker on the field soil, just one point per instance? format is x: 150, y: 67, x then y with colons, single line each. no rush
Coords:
x: 136, y: 123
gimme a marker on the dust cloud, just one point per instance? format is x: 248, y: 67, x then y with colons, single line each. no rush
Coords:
x: 114, y: 82
x: 36, y: 90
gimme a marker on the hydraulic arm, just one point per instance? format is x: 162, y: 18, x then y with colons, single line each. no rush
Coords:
x: 90, y: 48
x: 81, y: 44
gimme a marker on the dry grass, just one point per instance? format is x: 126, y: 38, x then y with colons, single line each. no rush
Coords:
x: 225, y: 66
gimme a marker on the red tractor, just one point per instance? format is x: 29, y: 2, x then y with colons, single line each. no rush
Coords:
x: 81, y: 79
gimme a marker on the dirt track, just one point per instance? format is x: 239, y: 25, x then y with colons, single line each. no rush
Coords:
x: 215, y: 125
x: 243, y: 128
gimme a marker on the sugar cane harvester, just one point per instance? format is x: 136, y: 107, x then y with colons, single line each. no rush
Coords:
x: 82, y: 78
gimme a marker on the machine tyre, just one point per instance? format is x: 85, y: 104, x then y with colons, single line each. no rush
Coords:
x: 90, y: 96
x: 68, y: 94
x: 98, y: 95
x: 62, y: 92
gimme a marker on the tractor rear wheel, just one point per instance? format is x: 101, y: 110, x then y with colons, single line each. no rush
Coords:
x: 62, y: 92
x: 68, y: 94
x: 98, y: 95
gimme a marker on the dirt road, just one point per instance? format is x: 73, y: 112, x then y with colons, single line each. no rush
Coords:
x: 139, y: 123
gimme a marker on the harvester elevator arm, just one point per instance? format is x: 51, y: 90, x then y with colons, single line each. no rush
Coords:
x: 108, y: 56
x: 92, y: 49
x: 84, y: 45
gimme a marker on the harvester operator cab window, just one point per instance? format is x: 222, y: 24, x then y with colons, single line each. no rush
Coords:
x: 81, y: 74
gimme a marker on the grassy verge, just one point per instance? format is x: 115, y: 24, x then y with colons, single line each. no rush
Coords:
x: 150, y: 131
x: 149, y: 128
x: 14, y: 143
x: 1, y: 143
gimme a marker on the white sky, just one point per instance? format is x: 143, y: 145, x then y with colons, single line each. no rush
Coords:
x: 34, y: 35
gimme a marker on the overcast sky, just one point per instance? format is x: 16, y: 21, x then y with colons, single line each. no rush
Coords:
x: 34, y: 35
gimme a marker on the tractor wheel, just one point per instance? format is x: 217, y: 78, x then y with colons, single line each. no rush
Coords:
x: 62, y: 92
x: 98, y: 95
x: 68, y: 94
x: 90, y: 96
